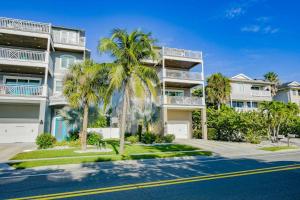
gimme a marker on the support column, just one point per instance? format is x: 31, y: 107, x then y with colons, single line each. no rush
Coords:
x: 204, y: 123
x: 42, y: 114
x: 164, y: 110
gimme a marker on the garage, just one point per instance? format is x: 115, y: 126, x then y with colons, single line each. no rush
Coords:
x: 179, y: 129
x: 18, y: 122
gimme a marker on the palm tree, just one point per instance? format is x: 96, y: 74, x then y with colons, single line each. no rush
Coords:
x: 218, y: 89
x: 84, y: 85
x: 273, y: 78
x: 127, y: 73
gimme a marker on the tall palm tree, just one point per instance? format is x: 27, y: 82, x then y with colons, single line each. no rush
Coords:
x: 273, y: 78
x: 128, y: 75
x: 84, y: 85
x: 218, y: 89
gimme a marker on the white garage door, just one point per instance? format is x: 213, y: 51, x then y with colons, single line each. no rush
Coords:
x: 179, y: 129
x: 18, y: 132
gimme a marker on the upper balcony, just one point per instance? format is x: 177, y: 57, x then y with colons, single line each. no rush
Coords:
x: 182, y: 77
x: 181, y: 58
x: 256, y: 95
x: 68, y: 39
x: 24, y: 27
x: 183, y: 102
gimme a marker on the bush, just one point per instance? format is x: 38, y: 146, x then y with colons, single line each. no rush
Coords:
x: 74, y: 143
x: 132, y: 139
x: 128, y: 134
x: 93, y: 138
x: 169, y: 138
x: 62, y: 143
x: 148, y: 138
x: 159, y: 139
x: 74, y: 135
x: 45, y: 141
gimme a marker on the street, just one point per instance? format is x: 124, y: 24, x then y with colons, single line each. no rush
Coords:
x: 271, y: 176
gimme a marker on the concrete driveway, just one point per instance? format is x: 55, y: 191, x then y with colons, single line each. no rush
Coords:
x: 8, y: 150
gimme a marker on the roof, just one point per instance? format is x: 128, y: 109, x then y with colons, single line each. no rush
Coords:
x: 247, y: 79
x: 291, y: 84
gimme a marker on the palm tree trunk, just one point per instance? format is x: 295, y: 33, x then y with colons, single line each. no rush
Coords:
x: 123, y: 121
x: 84, y: 127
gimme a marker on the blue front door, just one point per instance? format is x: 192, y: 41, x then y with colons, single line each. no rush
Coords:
x: 60, y: 129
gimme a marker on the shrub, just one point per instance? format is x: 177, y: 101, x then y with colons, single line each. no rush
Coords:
x: 61, y: 143
x: 169, y: 138
x: 74, y: 135
x: 132, y: 139
x: 149, y: 138
x: 159, y: 139
x: 128, y: 134
x: 93, y: 138
x: 74, y: 143
x: 45, y: 141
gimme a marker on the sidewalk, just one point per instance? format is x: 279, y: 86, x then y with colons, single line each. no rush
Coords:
x: 232, y: 149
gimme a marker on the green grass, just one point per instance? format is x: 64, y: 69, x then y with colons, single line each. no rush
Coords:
x: 278, y: 148
x: 131, y: 153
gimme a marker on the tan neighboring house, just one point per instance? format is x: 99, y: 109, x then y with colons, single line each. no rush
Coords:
x: 180, y: 71
x: 34, y: 58
x: 247, y: 93
x: 289, y: 92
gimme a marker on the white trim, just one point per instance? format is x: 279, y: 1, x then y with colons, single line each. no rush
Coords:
x: 54, y: 86
x: 21, y: 77
x: 68, y: 64
x: 241, y: 75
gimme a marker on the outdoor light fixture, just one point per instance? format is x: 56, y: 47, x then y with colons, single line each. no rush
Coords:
x: 41, y: 122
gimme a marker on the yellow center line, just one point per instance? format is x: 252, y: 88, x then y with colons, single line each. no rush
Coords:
x: 161, y: 183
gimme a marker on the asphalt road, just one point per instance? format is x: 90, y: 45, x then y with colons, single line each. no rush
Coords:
x: 275, y: 176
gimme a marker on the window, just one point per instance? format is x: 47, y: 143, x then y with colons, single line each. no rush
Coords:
x: 174, y: 93
x: 237, y: 104
x: 11, y: 80
x: 248, y: 104
x: 254, y: 104
x: 255, y: 88
x: 67, y: 61
x: 298, y: 92
x: 58, y: 86
x: 295, y: 92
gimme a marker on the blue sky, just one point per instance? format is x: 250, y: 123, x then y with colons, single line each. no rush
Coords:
x: 237, y: 36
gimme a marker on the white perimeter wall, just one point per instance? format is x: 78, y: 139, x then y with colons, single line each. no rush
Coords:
x: 107, y: 133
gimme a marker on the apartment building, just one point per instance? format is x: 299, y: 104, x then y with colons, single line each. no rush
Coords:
x: 34, y: 58
x: 180, y: 71
x: 247, y: 93
x: 289, y: 92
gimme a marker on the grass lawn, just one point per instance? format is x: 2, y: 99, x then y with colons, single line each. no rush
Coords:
x: 278, y: 148
x: 131, y: 153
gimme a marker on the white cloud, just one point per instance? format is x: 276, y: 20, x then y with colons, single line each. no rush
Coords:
x: 263, y: 19
x: 270, y: 30
x: 251, y: 28
x: 234, y: 12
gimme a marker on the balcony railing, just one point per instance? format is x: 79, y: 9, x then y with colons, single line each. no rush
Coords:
x: 245, y: 109
x: 166, y: 51
x: 184, y: 101
x: 22, y: 55
x: 182, y: 75
x: 24, y: 25
x: 69, y: 41
x: 261, y: 93
x: 22, y: 90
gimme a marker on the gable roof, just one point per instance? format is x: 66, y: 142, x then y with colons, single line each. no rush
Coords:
x: 291, y: 84
x: 241, y: 77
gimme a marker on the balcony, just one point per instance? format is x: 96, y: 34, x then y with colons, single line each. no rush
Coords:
x: 68, y: 41
x: 57, y: 100
x: 14, y: 56
x: 261, y: 93
x: 23, y: 91
x: 24, y: 25
x: 245, y: 109
x: 183, y: 101
x: 182, y: 75
x: 181, y: 53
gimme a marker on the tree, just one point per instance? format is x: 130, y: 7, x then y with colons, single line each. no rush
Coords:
x: 277, y: 114
x: 85, y: 85
x: 128, y: 75
x: 218, y: 89
x: 273, y: 78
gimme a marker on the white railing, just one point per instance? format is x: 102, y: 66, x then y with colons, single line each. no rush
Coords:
x: 261, y: 93
x: 245, y: 109
x: 166, y: 51
x: 189, y: 101
x: 22, y: 55
x: 22, y: 90
x: 58, y: 100
x: 68, y: 40
x: 24, y: 25
x: 183, y: 75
